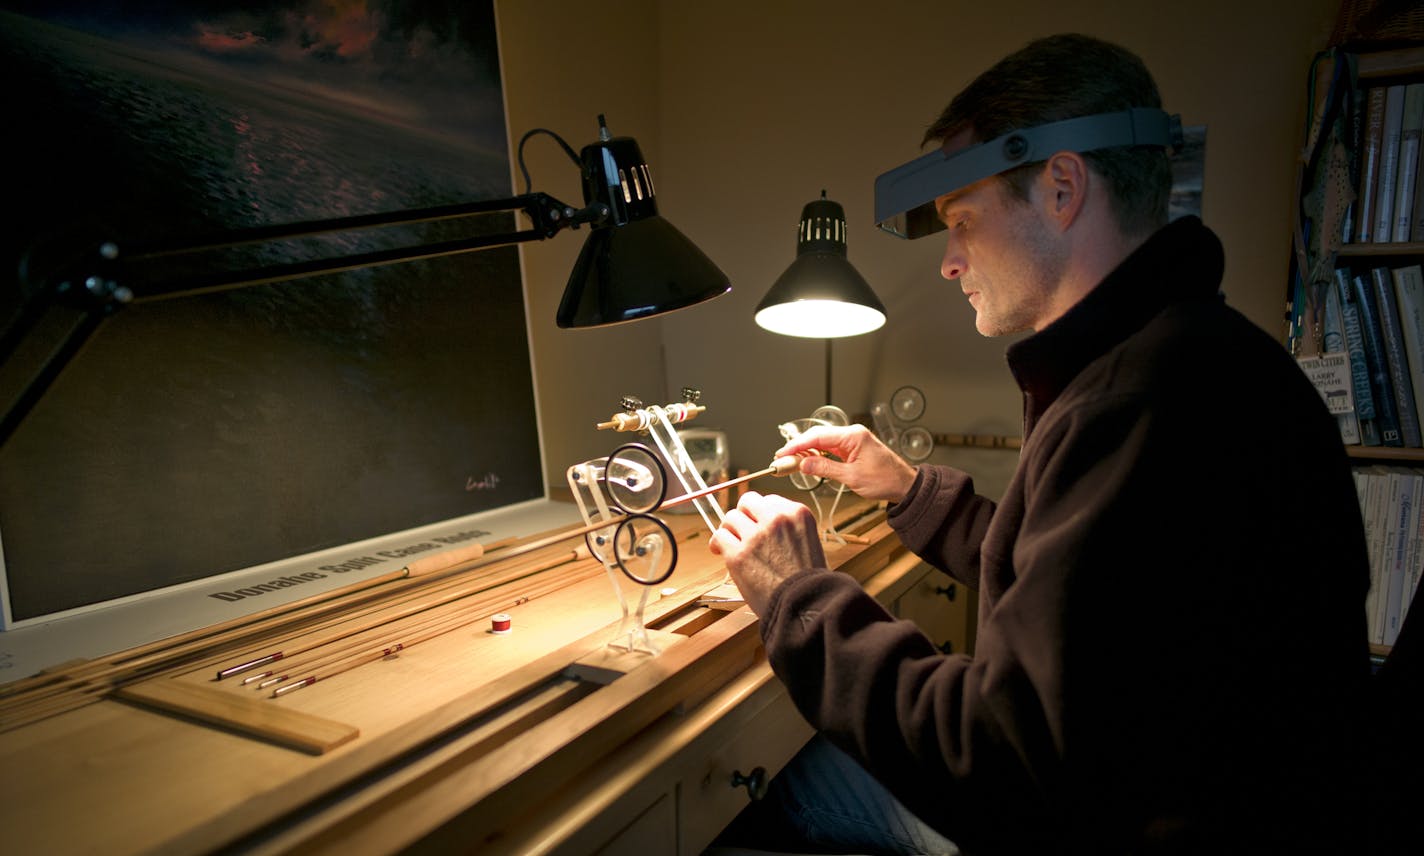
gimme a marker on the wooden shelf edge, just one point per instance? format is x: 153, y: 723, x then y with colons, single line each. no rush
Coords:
x: 1385, y: 248
x: 1391, y: 62
x: 1386, y: 453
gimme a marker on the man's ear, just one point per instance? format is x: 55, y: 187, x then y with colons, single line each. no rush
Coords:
x: 1066, y: 182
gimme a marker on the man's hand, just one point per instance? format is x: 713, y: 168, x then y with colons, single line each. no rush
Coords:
x: 764, y: 540
x: 866, y: 466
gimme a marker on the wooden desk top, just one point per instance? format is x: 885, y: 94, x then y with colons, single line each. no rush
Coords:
x: 112, y: 757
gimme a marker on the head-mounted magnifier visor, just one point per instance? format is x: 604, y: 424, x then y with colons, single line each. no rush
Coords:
x: 904, y: 196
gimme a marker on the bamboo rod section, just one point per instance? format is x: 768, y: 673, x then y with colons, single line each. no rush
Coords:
x: 163, y: 650
x: 482, y: 604
x: 75, y: 685
x: 403, y: 607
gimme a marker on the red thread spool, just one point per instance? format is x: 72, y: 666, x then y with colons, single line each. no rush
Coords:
x: 500, y: 623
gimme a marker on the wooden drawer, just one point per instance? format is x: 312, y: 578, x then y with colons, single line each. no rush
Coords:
x: 943, y: 608
x: 654, y: 831
x: 707, y: 798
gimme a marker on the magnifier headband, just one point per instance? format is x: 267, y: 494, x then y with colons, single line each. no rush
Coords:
x: 904, y: 196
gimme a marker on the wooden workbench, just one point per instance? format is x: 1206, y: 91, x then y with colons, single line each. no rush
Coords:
x: 544, y: 740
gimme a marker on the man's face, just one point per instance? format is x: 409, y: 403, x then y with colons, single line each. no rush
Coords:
x: 1001, y: 252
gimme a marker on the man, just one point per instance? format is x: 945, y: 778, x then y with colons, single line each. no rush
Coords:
x: 1171, y: 637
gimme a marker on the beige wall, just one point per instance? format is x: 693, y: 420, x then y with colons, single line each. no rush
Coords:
x: 747, y: 110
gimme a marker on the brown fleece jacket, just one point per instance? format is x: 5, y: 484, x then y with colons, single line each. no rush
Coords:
x: 1171, y: 638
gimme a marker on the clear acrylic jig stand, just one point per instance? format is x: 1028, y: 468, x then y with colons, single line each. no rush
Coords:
x: 622, y: 490
x: 827, y: 414
x: 657, y: 422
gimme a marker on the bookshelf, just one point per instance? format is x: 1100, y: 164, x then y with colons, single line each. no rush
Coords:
x: 1392, y: 702
x: 1365, y: 253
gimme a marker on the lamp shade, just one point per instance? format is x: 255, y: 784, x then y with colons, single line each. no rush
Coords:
x: 821, y: 295
x: 634, y: 263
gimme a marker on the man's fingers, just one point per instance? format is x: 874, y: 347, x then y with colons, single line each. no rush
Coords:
x: 750, y: 506
x: 817, y: 438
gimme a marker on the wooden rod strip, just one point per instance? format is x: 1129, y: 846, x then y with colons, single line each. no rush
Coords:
x: 184, y: 644
x: 279, y: 640
x: 483, y: 605
x: 386, y: 616
x: 346, y: 664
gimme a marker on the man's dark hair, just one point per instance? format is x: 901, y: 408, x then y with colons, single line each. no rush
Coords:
x: 1063, y: 77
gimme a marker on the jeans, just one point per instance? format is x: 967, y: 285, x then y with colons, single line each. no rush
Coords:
x: 825, y: 802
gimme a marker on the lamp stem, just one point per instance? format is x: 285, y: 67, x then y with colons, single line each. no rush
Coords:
x: 828, y: 372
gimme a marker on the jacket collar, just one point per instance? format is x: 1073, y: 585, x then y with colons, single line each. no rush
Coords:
x: 1182, y: 260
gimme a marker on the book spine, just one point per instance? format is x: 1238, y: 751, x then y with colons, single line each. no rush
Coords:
x: 1409, y: 558
x: 1295, y: 312
x: 1354, y: 141
x: 1416, y: 551
x: 1392, y: 337
x: 1373, y: 339
x: 1376, y: 506
x: 1416, y: 231
x: 1409, y: 297
x: 1333, y: 332
x: 1389, y: 163
x: 1401, y: 516
x: 1369, y: 163
x: 1408, y: 161
x: 1359, y: 366
x: 1389, y: 527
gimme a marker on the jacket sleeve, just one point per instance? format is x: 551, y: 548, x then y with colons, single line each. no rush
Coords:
x: 943, y: 521
x: 981, y: 746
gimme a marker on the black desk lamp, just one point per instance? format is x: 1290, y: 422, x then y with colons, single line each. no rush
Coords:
x: 633, y: 265
x: 821, y: 295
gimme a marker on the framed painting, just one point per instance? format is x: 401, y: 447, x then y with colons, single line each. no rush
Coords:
x: 201, y: 435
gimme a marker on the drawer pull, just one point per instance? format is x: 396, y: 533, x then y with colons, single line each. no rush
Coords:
x: 948, y: 591
x: 755, y: 782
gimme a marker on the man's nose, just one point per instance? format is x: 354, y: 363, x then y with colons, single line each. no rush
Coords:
x: 953, y: 264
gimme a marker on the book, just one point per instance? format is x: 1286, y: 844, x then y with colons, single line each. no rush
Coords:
x: 1295, y: 311
x: 1386, y: 417
x: 1413, y: 549
x: 1409, y: 130
x: 1391, y: 124
x: 1354, y: 133
x: 1360, y: 385
x: 1333, y: 336
x: 1376, y: 508
x: 1409, y: 296
x: 1392, y: 337
x: 1370, y: 147
x: 1405, y: 484
x: 1416, y: 231
x: 1415, y: 567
